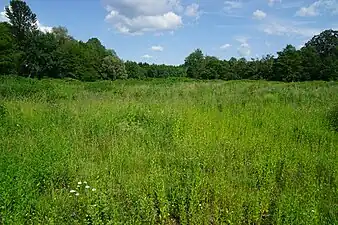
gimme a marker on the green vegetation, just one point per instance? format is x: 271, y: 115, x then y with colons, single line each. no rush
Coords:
x: 167, y: 152
x: 28, y: 52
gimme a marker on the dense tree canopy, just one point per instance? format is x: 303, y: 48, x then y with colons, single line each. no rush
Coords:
x: 26, y: 51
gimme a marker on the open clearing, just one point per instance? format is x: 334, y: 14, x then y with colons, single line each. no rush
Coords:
x: 167, y: 152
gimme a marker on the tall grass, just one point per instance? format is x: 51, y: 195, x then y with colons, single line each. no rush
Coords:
x: 167, y: 152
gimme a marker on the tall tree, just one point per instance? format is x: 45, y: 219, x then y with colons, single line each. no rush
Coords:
x: 325, y: 43
x: 22, y: 19
x: 195, y: 64
x: 288, y: 66
x: 8, y: 53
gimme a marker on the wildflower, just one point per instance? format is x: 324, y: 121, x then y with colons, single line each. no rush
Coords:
x: 85, y: 182
x: 87, y: 186
x: 94, y: 189
x: 77, y: 194
x: 79, y: 183
x: 72, y: 191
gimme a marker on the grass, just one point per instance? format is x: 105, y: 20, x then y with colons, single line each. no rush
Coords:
x: 167, y: 152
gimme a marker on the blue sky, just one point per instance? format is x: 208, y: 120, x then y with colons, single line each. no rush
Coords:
x: 166, y: 31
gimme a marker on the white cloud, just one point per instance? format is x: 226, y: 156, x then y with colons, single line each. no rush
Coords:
x: 147, y: 56
x: 230, y: 5
x: 244, y: 49
x: 272, y: 2
x: 42, y: 28
x: 289, y: 29
x: 192, y: 10
x: 140, y: 16
x: 225, y: 46
x: 157, y: 48
x: 3, y: 17
x: 319, y: 6
x: 259, y: 14
x: 312, y: 10
x: 242, y: 39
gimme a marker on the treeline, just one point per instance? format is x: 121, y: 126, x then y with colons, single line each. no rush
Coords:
x: 29, y: 52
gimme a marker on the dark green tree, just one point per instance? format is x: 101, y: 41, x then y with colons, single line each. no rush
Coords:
x: 194, y: 64
x: 134, y: 70
x: 288, y: 66
x: 8, y: 53
x: 325, y: 43
x: 22, y: 19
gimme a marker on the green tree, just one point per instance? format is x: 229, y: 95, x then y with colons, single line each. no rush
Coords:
x: 113, y: 68
x: 288, y: 66
x: 311, y: 63
x: 22, y: 19
x: 195, y: 64
x: 134, y: 70
x: 41, y: 59
x: 325, y: 43
x: 61, y: 34
x: 214, y: 68
x: 8, y: 53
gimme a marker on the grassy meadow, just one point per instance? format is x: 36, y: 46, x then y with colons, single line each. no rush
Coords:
x: 168, y: 152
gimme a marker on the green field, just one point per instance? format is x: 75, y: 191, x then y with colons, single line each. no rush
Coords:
x: 168, y: 152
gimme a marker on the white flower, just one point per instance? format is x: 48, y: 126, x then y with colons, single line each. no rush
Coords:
x: 85, y: 182
x: 94, y: 189
x: 77, y: 194
x: 79, y: 182
x: 72, y: 191
x: 87, y: 186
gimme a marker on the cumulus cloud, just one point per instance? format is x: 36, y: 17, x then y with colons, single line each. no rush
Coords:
x: 230, y: 5
x: 319, y: 6
x: 259, y: 14
x: 147, y: 56
x: 157, y: 48
x: 225, y: 46
x: 192, y: 10
x: 140, y: 16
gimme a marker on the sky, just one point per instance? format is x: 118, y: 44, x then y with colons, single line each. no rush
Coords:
x: 166, y: 31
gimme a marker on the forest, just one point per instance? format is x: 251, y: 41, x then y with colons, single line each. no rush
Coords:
x: 29, y: 52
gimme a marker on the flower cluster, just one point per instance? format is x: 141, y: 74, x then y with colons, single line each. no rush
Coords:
x: 78, y: 188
